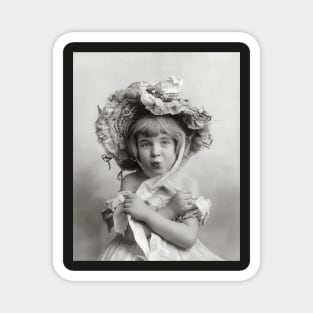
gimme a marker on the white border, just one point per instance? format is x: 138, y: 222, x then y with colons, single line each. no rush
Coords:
x: 58, y: 157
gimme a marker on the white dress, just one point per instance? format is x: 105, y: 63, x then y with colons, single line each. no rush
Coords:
x: 155, y: 248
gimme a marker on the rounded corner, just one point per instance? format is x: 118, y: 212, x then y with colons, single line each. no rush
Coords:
x: 249, y: 271
x: 63, y: 271
x: 63, y: 41
x: 249, y: 41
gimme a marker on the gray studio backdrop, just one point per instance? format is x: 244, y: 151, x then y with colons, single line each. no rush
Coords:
x: 210, y: 80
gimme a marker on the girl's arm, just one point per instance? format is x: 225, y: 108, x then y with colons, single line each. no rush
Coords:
x: 180, y: 203
x: 182, y: 234
x: 130, y: 183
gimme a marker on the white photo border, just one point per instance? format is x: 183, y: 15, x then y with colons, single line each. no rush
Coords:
x: 255, y: 177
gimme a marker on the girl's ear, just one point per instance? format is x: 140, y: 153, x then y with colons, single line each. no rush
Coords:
x: 133, y: 151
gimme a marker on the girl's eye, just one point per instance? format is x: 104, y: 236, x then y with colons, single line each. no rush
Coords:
x: 164, y: 143
x: 144, y: 145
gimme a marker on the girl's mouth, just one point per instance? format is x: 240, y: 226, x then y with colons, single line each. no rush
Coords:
x: 156, y: 164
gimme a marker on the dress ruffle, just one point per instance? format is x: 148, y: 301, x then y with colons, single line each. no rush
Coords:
x: 161, y: 250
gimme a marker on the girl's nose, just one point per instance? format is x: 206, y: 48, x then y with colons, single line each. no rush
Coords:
x: 156, y: 150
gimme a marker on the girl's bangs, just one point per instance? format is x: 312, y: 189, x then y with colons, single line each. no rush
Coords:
x: 152, y: 127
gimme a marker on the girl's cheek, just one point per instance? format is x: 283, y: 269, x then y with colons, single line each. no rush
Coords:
x: 144, y: 155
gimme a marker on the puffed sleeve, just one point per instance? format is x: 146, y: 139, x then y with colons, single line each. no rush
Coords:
x: 201, y: 211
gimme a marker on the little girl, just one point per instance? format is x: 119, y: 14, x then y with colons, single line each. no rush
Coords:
x: 149, y: 130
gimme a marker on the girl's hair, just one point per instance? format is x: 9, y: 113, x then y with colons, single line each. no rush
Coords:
x: 152, y: 125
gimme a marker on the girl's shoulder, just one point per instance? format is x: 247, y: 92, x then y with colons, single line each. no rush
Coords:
x: 188, y: 183
x: 131, y: 181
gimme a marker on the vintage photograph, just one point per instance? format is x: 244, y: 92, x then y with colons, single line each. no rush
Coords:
x: 156, y: 156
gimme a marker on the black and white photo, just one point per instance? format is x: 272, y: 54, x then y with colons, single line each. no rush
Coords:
x: 160, y: 158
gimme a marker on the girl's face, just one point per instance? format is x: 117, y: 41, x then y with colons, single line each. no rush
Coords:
x: 156, y: 154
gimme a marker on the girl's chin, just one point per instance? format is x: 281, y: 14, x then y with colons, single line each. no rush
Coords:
x: 155, y: 172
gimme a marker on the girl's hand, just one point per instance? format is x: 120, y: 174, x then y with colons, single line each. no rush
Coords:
x: 135, y: 207
x: 181, y: 202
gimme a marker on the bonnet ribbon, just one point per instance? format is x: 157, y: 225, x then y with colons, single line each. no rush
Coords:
x: 145, y: 191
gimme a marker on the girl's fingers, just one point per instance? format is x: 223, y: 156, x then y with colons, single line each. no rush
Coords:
x: 128, y: 200
x: 127, y: 210
x: 119, y: 209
